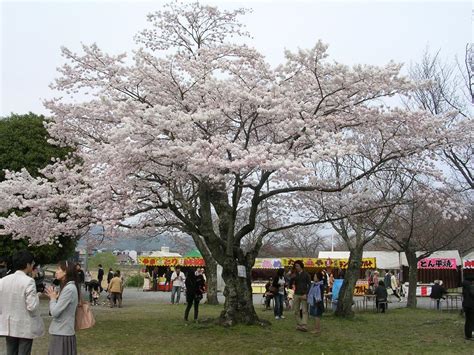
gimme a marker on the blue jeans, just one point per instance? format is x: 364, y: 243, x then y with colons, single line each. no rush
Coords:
x: 176, y: 289
x: 279, y: 299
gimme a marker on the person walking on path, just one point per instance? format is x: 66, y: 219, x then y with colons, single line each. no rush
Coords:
x: 62, y: 307
x: 302, y: 282
x: 394, y: 286
x: 194, y: 290
x: 115, y: 290
x: 177, y: 278
x: 20, y: 320
x: 279, y: 285
x: 468, y: 305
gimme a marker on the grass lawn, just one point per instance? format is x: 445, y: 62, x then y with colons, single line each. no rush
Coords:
x: 148, y: 328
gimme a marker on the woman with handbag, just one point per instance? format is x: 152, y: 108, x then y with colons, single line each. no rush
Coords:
x: 62, y: 307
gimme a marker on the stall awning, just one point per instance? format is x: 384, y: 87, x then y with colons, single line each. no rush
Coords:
x: 385, y: 259
x: 170, y: 261
x: 276, y: 263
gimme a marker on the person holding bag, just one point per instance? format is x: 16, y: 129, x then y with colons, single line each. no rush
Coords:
x: 62, y: 307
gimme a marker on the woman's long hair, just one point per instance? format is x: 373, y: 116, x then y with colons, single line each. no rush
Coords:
x: 71, y: 275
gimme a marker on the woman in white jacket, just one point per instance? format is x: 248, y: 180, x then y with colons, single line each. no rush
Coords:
x: 62, y: 307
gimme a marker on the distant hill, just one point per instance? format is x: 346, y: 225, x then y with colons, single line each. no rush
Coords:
x: 136, y: 242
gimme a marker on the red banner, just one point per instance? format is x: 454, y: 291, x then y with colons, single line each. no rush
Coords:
x: 437, y: 263
x: 468, y: 264
x: 170, y: 261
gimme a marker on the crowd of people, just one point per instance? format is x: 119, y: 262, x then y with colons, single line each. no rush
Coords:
x: 21, y: 322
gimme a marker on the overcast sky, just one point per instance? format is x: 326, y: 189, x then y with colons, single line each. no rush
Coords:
x: 371, y: 32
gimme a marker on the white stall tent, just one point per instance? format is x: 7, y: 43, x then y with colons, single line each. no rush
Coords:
x: 440, y: 254
x: 384, y: 259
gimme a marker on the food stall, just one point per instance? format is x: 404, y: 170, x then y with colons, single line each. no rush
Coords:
x: 265, y: 268
x: 163, y: 262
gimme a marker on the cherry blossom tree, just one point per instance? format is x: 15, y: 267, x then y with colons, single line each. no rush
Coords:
x: 192, y: 130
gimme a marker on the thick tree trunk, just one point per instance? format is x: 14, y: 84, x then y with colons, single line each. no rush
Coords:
x: 412, y: 278
x: 238, y: 306
x: 211, y: 274
x: 346, y: 293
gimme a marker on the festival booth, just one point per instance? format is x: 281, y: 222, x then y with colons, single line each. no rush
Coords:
x: 162, y: 263
x: 444, y: 265
x: 265, y: 268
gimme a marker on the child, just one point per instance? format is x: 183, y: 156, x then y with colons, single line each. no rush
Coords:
x: 316, y: 301
x: 95, y: 297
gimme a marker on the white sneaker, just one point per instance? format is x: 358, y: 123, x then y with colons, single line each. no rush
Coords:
x: 282, y: 317
x: 277, y: 317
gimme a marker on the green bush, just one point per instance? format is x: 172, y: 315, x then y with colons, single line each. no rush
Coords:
x: 134, y: 281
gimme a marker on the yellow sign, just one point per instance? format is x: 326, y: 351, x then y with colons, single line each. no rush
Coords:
x: 367, y: 263
x: 361, y: 288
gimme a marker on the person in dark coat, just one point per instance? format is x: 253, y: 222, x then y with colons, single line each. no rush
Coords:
x: 110, y: 275
x: 194, y: 290
x: 437, y: 292
x: 100, y: 276
x: 81, y: 277
x: 468, y: 305
x: 381, y: 296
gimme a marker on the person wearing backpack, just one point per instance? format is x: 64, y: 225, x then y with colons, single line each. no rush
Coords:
x: 468, y: 305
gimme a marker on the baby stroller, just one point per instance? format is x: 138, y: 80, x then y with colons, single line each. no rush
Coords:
x: 94, y: 292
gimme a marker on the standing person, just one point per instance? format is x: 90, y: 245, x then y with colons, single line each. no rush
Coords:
x: 100, y: 277
x: 394, y: 286
x: 155, y: 278
x: 387, y: 279
x: 330, y: 281
x: 110, y: 276
x: 62, y: 307
x: 325, y: 278
x: 167, y: 276
x: 376, y: 279
x: 437, y: 292
x: 115, y: 290
x: 279, y: 285
x: 269, y: 293
x: 203, y: 273
x: 87, y: 279
x: 316, y: 300
x: 194, y: 290
x: 20, y: 320
x: 81, y: 278
x: 177, y: 278
x: 380, y: 296
x: 468, y: 305
x: 302, y: 282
